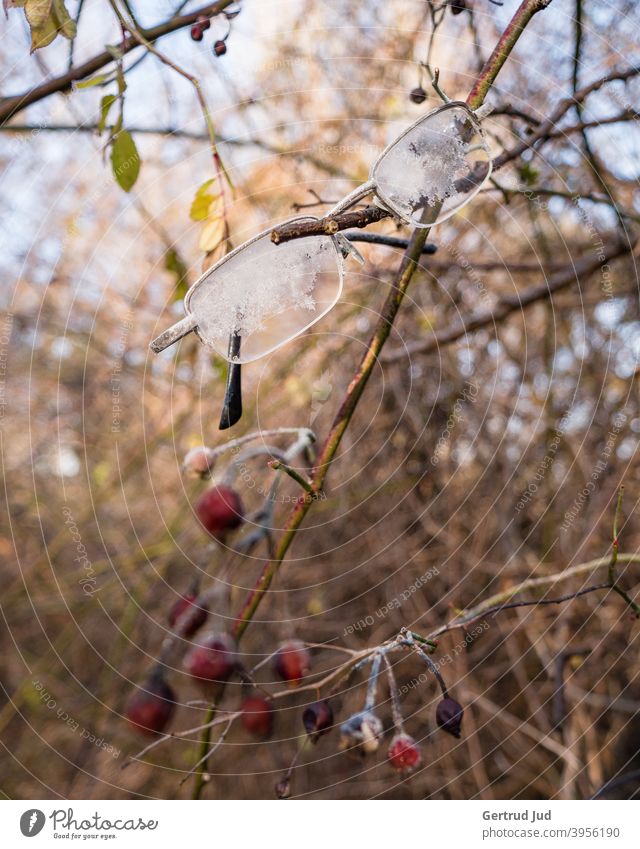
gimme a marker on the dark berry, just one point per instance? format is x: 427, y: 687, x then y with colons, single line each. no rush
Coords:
x: 213, y: 660
x: 317, y: 720
x: 203, y: 21
x: 196, y: 32
x: 219, y: 47
x: 199, y: 462
x: 257, y: 715
x: 449, y: 716
x: 292, y: 662
x: 283, y: 788
x: 418, y: 95
x: 188, y: 614
x: 220, y: 510
x: 457, y: 6
x: 362, y: 731
x: 404, y: 754
x: 151, y: 708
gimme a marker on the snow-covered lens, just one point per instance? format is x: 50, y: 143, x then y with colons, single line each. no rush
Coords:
x: 435, y: 168
x: 265, y: 294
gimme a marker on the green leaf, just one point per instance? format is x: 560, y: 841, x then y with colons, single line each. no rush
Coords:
x: 202, y: 201
x: 105, y: 105
x: 125, y: 161
x: 101, y: 78
x: 122, y: 83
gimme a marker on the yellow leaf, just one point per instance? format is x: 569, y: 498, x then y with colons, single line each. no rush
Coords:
x: 205, y: 204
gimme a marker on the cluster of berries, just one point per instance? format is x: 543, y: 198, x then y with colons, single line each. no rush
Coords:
x: 363, y: 732
x: 211, y: 662
x: 198, y: 30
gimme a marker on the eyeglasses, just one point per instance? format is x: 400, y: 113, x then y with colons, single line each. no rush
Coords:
x: 262, y: 295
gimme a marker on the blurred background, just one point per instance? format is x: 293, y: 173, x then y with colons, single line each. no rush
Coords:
x: 487, y: 448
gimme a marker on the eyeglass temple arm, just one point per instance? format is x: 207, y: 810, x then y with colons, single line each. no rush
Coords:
x: 172, y: 334
x: 352, y: 198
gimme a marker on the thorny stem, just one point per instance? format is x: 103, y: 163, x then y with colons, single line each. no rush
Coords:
x: 390, y: 309
x: 502, y: 50
x: 380, y: 335
x: 203, y: 752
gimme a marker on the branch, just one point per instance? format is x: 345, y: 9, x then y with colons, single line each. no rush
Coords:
x: 330, y: 225
x: 548, y: 126
x: 508, y: 304
x: 376, y: 343
x: 499, y: 600
x: 13, y: 104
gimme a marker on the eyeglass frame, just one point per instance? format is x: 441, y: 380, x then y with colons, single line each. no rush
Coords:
x: 343, y: 247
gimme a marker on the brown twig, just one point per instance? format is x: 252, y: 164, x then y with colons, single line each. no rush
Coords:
x: 509, y: 304
x: 330, y: 225
x: 13, y: 104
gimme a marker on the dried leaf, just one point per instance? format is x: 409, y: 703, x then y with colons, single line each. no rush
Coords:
x: 66, y: 25
x: 44, y: 34
x: 212, y: 234
x: 125, y: 160
x: 38, y: 12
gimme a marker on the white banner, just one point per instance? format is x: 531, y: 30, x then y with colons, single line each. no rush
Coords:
x: 294, y: 824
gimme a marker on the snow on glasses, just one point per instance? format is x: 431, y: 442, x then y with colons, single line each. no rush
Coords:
x: 262, y: 295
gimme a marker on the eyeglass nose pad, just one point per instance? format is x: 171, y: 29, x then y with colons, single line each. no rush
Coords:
x: 347, y: 249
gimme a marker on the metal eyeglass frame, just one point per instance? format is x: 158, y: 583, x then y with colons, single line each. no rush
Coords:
x: 343, y: 248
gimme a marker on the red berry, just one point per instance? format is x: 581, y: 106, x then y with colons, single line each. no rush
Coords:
x: 190, y: 615
x: 449, y: 716
x: 196, y: 32
x: 204, y: 21
x: 292, y: 661
x: 317, y: 720
x: 418, y: 95
x: 404, y: 754
x: 151, y: 708
x: 220, y: 510
x: 219, y: 47
x: 257, y: 715
x: 213, y: 660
